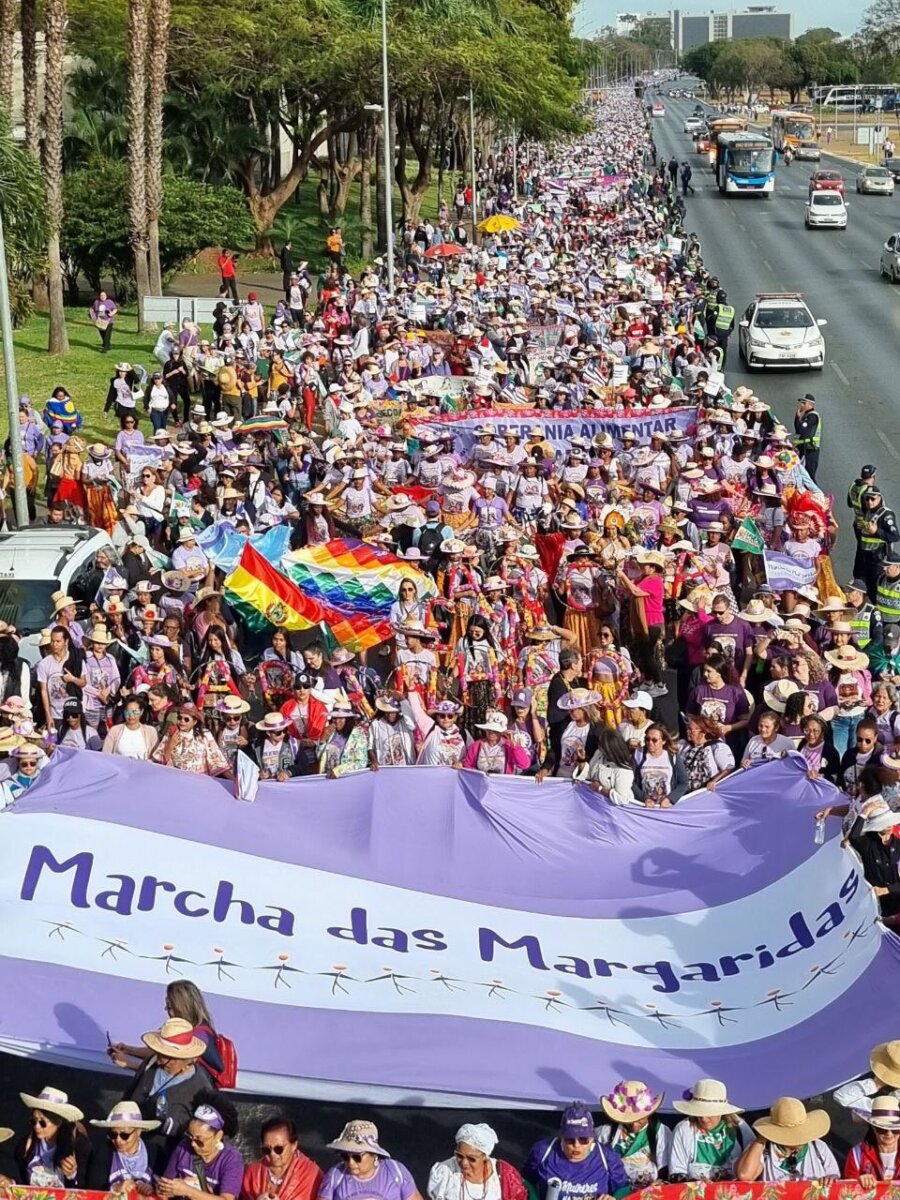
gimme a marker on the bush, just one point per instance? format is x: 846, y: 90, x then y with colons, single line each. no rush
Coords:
x: 95, y: 231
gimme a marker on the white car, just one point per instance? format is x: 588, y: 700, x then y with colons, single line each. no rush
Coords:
x: 826, y: 210
x: 658, y: 110
x: 778, y: 330
x: 807, y: 152
x: 691, y: 124
x: 875, y: 181
x: 40, y: 560
x: 890, y: 258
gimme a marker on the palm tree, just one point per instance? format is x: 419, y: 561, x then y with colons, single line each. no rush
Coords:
x: 55, y: 19
x: 29, y: 76
x: 7, y: 34
x: 136, y: 107
x: 156, y: 94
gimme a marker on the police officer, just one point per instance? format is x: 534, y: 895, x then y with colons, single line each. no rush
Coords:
x: 887, y: 594
x: 877, y: 530
x: 864, y: 480
x: 722, y: 324
x: 808, y: 433
x: 865, y: 618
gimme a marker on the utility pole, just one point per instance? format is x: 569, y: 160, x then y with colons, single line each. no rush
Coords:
x: 12, y: 391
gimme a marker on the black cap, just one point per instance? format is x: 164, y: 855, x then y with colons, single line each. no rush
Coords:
x: 809, y: 397
x: 856, y: 585
x: 867, y: 471
x: 302, y: 680
x: 892, y: 558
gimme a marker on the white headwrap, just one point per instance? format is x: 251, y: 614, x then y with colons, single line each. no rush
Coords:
x: 482, y: 1137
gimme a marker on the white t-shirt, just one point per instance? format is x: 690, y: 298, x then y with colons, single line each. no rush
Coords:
x: 131, y: 744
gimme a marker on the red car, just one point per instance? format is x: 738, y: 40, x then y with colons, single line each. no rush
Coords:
x: 826, y: 181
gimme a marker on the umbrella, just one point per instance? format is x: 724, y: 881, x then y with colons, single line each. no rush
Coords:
x: 444, y: 250
x: 499, y: 223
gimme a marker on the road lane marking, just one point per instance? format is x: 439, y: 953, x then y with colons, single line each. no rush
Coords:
x: 840, y: 374
x: 888, y: 445
x: 767, y: 264
x: 743, y: 228
x: 753, y: 244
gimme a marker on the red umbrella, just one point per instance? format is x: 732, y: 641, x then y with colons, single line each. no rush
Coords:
x: 444, y: 250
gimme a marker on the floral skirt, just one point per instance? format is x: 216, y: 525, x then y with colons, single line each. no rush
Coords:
x: 479, y: 698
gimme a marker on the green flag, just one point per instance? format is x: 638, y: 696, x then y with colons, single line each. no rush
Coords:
x: 748, y: 538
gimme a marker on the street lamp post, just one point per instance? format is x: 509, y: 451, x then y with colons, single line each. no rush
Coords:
x: 515, y: 165
x: 12, y: 391
x: 472, y: 166
x: 385, y: 109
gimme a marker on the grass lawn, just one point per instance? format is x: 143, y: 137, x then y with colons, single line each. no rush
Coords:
x: 84, y: 371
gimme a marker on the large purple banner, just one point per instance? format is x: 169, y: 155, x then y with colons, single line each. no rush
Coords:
x: 445, y: 937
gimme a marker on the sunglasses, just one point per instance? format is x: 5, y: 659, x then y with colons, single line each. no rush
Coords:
x: 581, y: 1141
x: 348, y: 1157
x: 120, y: 1135
x: 273, y: 1149
x: 864, y: 741
x: 473, y: 1159
x: 197, y: 1141
x: 40, y: 1123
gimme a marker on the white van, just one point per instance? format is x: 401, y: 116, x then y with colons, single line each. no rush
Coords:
x: 43, y: 559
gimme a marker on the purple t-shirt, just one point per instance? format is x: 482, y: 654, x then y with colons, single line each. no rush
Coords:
x: 736, y: 638
x: 391, y: 1181
x: 224, y: 1175
x: 725, y: 704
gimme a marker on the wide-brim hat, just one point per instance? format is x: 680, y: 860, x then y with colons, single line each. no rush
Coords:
x: 848, y: 658
x: 707, y: 1098
x: 231, y: 706
x: 789, y: 1123
x: 98, y: 634
x: 175, y: 1038
x: 541, y: 633
x: 415, y: 628
x: 61, y: 602
x: 52, y: 1100
x: 359, y: 1137
x: 776, y: 696
x: 6, y: 1133
x: 495, y: 721
x: 578, y: 698
x: 448, y: 708
x: 125, y: 1115
x: 187, y: 534
x: 629, y: 1101
x: 387, y: 704
x: 757, y: 613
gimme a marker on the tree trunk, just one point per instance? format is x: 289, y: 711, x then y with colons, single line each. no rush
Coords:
x: 7, y: 36
x: 136, y: 107
x: 367, y: 246
x: 410, y: 132
x: 381, y: 236
x: 156, y: 94
x: 54, y: 84
x: 29, y: 77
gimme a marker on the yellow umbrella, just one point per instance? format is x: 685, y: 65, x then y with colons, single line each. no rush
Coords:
x: 499, y: 223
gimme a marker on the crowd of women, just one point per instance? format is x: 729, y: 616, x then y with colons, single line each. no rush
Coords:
x: 175, y: 1133
x: 568, y: 577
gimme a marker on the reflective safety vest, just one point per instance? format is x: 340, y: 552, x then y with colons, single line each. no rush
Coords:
x: 887, y: 597
x: 862, y: 625
x: 855, y: 493
x: 873, y: 543
x: 724, y: 316
x: 816, y: 439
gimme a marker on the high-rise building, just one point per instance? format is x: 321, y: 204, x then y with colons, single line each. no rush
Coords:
x: 696, y: 29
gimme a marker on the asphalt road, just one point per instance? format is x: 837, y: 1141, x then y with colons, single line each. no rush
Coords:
x: 758, y: 245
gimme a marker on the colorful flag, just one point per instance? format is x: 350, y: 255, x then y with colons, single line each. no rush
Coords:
x: 353, y: 576
x: 267, y: 599
x: 748, y: 537
x: 784, y: 573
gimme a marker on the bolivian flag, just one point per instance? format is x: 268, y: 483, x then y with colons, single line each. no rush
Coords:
x: 266, y: 599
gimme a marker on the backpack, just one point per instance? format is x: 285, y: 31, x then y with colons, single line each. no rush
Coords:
x: 226, y: 1078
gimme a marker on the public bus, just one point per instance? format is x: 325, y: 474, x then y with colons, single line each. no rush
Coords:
x: 745, y: 164
x: 791, y: 128
x: 716, y: 127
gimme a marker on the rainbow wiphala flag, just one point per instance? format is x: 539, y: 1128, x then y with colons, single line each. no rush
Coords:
x: 353, y: 576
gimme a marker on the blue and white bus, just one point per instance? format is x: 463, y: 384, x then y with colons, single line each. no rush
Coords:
x: 745, y: 164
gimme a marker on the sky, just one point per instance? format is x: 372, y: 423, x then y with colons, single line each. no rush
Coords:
x: 593, y: 14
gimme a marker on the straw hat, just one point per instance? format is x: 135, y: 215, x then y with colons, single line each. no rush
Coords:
x: 99, y: 634
x: 629, y: 1101
x: 359, y: 1137
x: 174, y: 1039
x: 776, y: 695
x: 52, y: 1100
x: 272, y: 722
x: 9, y: 741
x: 5, y: 1133
x: 885, y: 1063
x: 757, y: 613
x: 885, y: 1113
x: 789, y: 1124
x: 61, y: 601
x: 232, y: 705
x: 848, y: 658
x: 125, y: 1115
x: 707, y: 1098
x: 578, y: 698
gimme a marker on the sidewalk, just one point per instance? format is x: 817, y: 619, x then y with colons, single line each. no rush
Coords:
x: 267, y: 285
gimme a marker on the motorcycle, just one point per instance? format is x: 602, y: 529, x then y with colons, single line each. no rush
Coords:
x: 788, y: 157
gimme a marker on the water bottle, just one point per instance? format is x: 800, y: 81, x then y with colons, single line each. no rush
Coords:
x: 819, y: 838
x: 554, y: 1187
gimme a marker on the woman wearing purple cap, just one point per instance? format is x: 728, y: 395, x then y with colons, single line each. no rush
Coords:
x: 574, y: 1164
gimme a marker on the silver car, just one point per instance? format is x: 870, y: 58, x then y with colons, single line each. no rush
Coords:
x: 872, y: 180
x: 808, y: 152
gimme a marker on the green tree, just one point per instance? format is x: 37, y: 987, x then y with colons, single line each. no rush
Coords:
x: 24, y: 208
